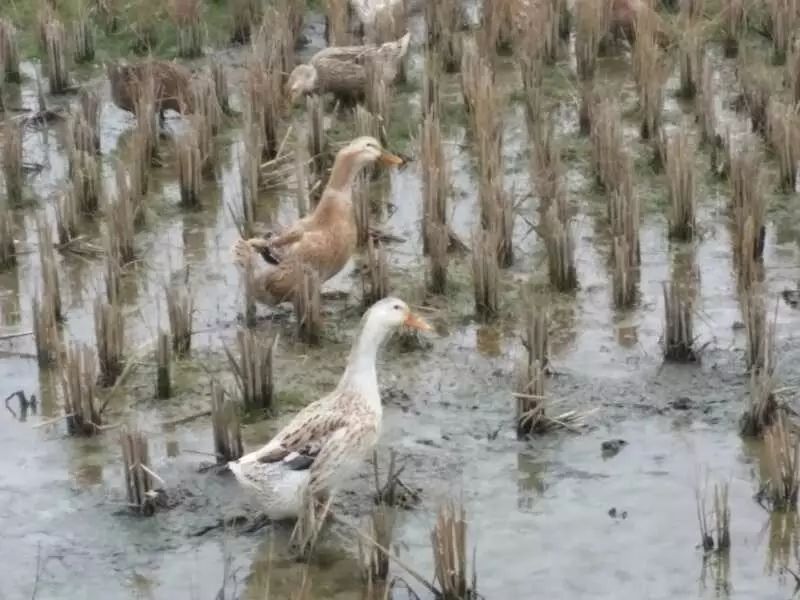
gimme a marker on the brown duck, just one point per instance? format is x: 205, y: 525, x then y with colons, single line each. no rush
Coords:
x: 324, y: 240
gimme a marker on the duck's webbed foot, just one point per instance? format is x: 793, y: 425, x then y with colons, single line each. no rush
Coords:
x: 244, y: 255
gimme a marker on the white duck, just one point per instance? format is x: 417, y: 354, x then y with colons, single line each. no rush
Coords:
x: 328, y: 439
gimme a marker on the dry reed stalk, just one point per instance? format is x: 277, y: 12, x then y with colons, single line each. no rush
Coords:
x: 180, y: 310
x: 546, y: 166
x: 207, y: 108
x: 109, y: 330
x: 783, y: 17
x: 246, y: 17
x: 139, y: 478
x: 431, y: 78
x: 258, y: 100
x: 678, y: 325
x: 691, y: 60
x: 681, y: 186
x: 624, y: 274
x: 367, y: 123
x: 438, y: 260
x: 113, y: 270
x: 497, y: 26
x: 445, y: 21
x: 435, y: 177
x: 49, y: 268
x: 269, y: 83
x: 189, y: 164
x: 225, y: 425
x: 378, y: 99
x: 9, y: 52
x: 86, y: 124
x: 249, y: 295
x: 375, y: 562
x: 163, y: 366
x: 135, y: 205
x: 187, y: 15
x: 781, y: 466
x: 762, y: 406
x: 449, y: 543
x: 147, y: 115
x: 45, y: 330
x: 56, y: 52
x: 705, y: 108
x: 734, y: 26
x: 783, y: 134
x: 121, y: 226
x: 78, y: 379
x: 86, y: 181
x: 609, y: 157
x: 756, y: 90
x: 12, y: 162
x: 221, y: 90
x: 531, y: 66
x: 531, y: 401
x: 362, y: 210
x: 560, y: 246
x: 254, y: 370
x: 472, y: 71
x: 337, y: 18
x: 249, y: 174
x: 8, y: 253
x: 486, y: 273
x: 760, y: 333
x: 83, y: 38
x: 145, y: 18
x: 591, y: 26
x: 307, y: 306
x: 140, y: 165
x: 67, y: 218
x: 317, y: 143
x: 375, y: 281
x: 302, y: 199
x: 649, y: 72
x: 389, y: 24
x: 748, y: 207
x: 718, y: 538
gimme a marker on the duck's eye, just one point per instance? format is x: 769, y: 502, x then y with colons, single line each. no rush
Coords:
x: 396, y: 307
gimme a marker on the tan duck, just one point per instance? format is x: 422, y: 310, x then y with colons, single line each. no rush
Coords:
x: 341, y: 70
x: 324, y: 240
x: 172, y: 85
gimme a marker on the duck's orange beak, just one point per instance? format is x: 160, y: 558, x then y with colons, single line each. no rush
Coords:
x: 415, y: 322
x: 388, y: 159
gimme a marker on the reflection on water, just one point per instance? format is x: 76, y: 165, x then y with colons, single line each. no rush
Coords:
x: 86, y: 474
x: 715, y: 574
x: 487, y: 340
x: 784, y: 541
x: 10, y: 313
x: 531, y: 472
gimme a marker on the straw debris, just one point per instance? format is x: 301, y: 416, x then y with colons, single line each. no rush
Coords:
x: 226, y: 427
x: 254, y: 370
x: 109, y: 330
x: 78, y: 380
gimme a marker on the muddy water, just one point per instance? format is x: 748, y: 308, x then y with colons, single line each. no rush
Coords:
x: 540, y: 511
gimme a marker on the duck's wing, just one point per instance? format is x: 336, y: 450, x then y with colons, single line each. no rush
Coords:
x: 329, y: 57
x: 341, y: 451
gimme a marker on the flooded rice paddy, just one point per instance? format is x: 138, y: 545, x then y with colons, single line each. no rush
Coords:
x: 550, y: 517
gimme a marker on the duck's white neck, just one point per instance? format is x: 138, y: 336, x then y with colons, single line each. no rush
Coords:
x: 361, y: 374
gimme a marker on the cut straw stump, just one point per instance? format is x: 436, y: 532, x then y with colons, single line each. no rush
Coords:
x: 142, y: 496
x: 714, y: 536
x: 86, y: 181
x: 187, y: 17
x: 435, y: 178
x: 307, y: 306
x: 12, y: 162
x: 748, y: 205
x: 691, y: 60
x: 375, y: 281
x: 760, y: 333
x: 678, y: 325
x: 109, y: 330
x: 529, y: 386
x: 485, y: 274
x: 49, y: 268
x: 681, y: 186
x: 180, y: 311
x: 783, y: 134
x: 83, y: 38
x: 590, y: 29
x: 121, y: 225
x: 782, y: 23
x: 189, y: 164
x: 9, y: 52
x: 254, y: 370
x: 438, y: 259
x: 733, y: 26
x: 246, y: 17
x: 362, y: 210
x: 55, y: 37
x: 225, y: 424
x: 78, y: 381
x: 163, y: 366
x: 317, y: 147
x: 445, y: 21
x: 221, y: 89
x: 649, y: 73
x: 560, y: 247
x: 781, y: 467
x: 8, y: 253
x: 45, y: 331
x: 449, y: 543
x: 86, y: 123
x: 67, y: 218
